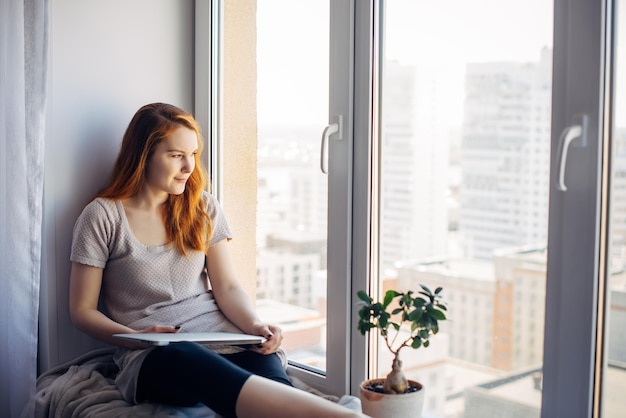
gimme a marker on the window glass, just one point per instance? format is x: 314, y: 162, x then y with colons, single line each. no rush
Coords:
x: 465, y: 153
x: 292, y: 111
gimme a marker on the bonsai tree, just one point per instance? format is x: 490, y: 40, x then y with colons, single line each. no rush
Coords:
x: 420, y: 313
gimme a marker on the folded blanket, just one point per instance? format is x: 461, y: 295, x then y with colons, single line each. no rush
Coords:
x: 84, y: 387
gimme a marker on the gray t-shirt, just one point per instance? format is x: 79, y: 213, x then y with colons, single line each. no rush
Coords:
x: 147, y: 285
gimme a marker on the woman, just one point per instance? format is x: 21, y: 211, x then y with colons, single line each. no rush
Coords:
x: 156, y: 244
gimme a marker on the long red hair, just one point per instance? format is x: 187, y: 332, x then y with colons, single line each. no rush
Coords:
x: 187, y: 224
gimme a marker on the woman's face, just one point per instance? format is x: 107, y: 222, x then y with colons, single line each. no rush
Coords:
x: 172, y: 162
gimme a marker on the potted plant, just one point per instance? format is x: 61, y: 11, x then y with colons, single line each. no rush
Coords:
x: 417, y: 315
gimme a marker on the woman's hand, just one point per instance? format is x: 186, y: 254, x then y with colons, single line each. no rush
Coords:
x: 274, y: 336
x: 155, y: 329
x: 159, y: 329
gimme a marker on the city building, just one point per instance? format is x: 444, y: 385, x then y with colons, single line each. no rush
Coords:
x: 286, y: 276
x: 414, y: 220
x: 505, y: 155
x: 496, y: 310
x: 470, y: 289
x: 519, y: 395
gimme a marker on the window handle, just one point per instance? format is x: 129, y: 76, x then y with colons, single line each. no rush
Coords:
x: 335, y: 127
x: 577, y: 130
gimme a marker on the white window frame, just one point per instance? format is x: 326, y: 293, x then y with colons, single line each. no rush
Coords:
x: 340, y: 206
x: 208, y: 103
x: 208, y: 72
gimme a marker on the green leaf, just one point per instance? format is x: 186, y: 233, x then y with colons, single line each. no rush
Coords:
x: 419, y: 302
x: 382, y: 322
x: 364, y: 327
x: 362, y: 294
x: 415, y: 315
x: 428, y: 293
x: 396, y: 311
x: 416, y: 343
x: 389, y: 297
x: 427, y: 321
x: 364, y: 313
x: 438, y: 290
x: 396, y: 326
x: 436, y: 314
x: 376, y: 309
x: 406, y: 300
x: 429, y: 296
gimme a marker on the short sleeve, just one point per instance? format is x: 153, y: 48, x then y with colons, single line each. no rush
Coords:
x: 221, y: 229
x: 91, y: 236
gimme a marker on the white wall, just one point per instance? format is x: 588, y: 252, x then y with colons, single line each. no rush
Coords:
x: 107, y: 58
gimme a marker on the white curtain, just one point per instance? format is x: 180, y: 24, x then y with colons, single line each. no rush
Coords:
x: 23, y: 68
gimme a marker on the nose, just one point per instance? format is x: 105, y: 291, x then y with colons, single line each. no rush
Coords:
x: 189, y: 164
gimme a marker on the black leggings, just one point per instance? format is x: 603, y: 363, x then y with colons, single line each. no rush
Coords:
x: 185, y: 373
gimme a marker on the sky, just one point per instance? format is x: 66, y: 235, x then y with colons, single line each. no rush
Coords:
x: 293, y: 46
x: 446, y: 35
x: 460, y: 31
x: 292, y: 60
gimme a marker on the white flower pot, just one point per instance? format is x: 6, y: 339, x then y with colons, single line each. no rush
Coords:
x: 384, y: 405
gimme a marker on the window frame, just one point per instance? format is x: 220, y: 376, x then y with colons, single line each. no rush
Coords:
x: 576, y: 268
x: 340, y: 206
x: 208, y: 73
x: 341, y: 255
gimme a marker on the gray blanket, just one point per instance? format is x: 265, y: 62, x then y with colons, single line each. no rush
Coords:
x: 85, y: 387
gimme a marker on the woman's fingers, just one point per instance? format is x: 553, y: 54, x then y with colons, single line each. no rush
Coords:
x: 160, y: 329
x: 274, y: 338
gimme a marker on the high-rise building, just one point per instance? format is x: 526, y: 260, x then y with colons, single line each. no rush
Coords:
x: 414, y: 165
x: 505, y: 155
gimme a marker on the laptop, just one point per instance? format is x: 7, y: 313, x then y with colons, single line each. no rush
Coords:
x: 205, y: 338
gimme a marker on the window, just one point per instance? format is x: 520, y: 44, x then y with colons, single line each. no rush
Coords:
x: 301, y: 255
x: 460, y: 165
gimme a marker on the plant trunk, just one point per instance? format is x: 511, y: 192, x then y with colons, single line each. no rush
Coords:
x: 396, y: 382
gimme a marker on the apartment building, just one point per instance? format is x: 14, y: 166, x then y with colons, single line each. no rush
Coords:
x: 505, y: 155
x: 496, y: 310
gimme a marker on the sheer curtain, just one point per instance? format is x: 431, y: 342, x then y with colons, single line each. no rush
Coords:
x: 23, y: 67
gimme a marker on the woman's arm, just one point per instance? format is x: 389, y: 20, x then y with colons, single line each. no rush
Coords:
x: 233, y: 300
x: 85, y: 284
